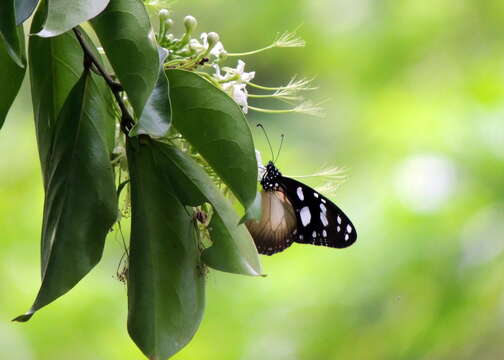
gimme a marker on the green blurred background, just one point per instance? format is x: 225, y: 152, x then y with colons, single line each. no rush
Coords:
x: 416, y: 113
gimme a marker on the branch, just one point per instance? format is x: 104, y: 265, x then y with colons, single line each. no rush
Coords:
x: 116, y: 88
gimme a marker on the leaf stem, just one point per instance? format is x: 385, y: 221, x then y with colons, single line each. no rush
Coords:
x: 127, y: 122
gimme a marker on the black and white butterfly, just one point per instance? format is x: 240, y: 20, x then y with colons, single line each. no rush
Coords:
x: 294, y: 212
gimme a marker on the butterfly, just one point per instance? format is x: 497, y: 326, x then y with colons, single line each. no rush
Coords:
x: 294, y: 212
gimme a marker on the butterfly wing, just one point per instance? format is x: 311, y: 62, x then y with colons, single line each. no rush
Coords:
x: 319, y: 220
x: 276, y: 230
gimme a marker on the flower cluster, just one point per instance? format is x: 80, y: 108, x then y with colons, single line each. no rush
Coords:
x: 206, y: 55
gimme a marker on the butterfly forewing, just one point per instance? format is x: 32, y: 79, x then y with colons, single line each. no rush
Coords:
x: 319, y: 220
x: 276, y: 230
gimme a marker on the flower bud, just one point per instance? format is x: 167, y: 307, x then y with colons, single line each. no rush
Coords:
x: 190, y: 24
x: 168, y: 24
x: 213, y: 39
x: 163, y: 14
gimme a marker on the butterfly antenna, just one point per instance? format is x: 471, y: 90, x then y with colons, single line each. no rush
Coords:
x: 268, y: 140
x: 280, y: 148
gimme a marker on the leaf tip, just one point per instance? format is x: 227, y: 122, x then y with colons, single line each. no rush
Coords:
x: 24, y: 317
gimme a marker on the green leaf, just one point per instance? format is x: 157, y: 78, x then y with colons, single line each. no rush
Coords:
x: 55, y: 67
x: 215, y: 125
x: 63, y: 15
x: 233, y: 249
x: 12, y: 76
x: 228, y: 249
x: 156, y: 117
x: 166, y: 281
x: 80, y: 201
x: 24, y: 9
x: 9, y: 32
x: 128, y: 39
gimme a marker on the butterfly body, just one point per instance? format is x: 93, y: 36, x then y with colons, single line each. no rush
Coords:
x: 294, y: 212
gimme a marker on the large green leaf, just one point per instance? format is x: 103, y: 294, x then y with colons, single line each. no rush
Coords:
x: 55, y: 67
x: 214, y: 124
x: 24, y: 9
x: 166, y: 282
x: 156, y: 117
x: 9, y: 32
x: 128, y: 39
x: 12, y: 76
x: 233, y: 249
x: 63, y: 15
x: 80, y: 202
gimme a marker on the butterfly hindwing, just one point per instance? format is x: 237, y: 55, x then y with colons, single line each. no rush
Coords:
x: 276, y: 230
x: 319, y: 220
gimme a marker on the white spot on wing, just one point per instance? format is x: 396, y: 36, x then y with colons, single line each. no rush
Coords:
x: 314, y: 234
x: 323, y: 218
x: 323, y: 208
x: 324, y: 233
x: 349, y: 228
x: 323, y: 200
x: 315, y: 194
x: 338, y: 229
x: 300, y: 193
x: 347, y: 237
x: 338, y: 219
x: 305, y: 216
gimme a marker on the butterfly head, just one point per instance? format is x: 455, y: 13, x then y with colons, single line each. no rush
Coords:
x: 270, y: 180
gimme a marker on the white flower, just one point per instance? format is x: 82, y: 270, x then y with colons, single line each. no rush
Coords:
x: 202, y: 46
x: 234, y: 82
x: 199, y: 46
x: 204, y: 39
x: 218, y: 50
x: 239, y: 94
x: 196, y: 45
x: 243, y: 77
